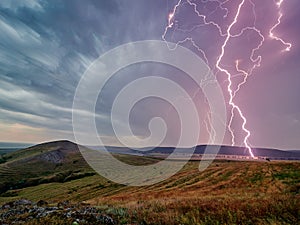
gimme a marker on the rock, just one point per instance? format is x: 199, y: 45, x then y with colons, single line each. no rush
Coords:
x: 25, y: 211
x: 63, y: 204
x: 53, y: 156
x: 23, y: 202
x: 105, y: 219
x: 6, y: 206
x: 52, y: 208
x: 41, y: 203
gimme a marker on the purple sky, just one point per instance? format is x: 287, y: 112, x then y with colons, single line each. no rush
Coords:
x: 45, y: 46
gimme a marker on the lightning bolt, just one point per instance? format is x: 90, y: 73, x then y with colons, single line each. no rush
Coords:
x: 227, y: 35
x: 229, y: 89
x: 271, y: 34
x: 171, y: 16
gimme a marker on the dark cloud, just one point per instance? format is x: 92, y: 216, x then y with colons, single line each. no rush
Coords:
x: 45, y: 46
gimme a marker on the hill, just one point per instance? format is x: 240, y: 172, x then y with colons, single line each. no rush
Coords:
x: 57, y: 161
x: 227, y: 192
x: 48, y: 162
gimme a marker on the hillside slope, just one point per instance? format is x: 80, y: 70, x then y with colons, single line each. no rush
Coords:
x: 48, y: 162
x: 227, y: 192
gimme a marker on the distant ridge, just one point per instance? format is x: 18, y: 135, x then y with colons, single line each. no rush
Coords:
x: 6, y: 147
x: 15, y: 145
x: 232, y: 150
x: 201, y: 149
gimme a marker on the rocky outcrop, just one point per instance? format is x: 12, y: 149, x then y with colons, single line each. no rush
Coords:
x: 24, y: 211
x: 53, y: 157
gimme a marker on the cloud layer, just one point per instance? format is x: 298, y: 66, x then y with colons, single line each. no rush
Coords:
x: 45, y: 47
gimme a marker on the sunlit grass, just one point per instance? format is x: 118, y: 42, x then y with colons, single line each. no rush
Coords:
x: 225, y: 193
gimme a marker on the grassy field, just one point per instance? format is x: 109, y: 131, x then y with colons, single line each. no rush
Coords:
x: 227, y: 192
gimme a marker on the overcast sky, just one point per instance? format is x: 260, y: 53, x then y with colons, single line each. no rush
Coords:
x: 46, y: 46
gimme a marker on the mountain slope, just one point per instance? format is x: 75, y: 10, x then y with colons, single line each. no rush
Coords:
x: 54, y: 161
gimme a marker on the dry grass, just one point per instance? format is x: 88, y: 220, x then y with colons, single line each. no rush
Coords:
x: 225, y: 193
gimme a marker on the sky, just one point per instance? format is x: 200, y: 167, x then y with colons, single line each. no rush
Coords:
x: 46, y: 46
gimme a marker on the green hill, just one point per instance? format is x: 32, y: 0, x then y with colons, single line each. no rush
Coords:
x: 49, y: 162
